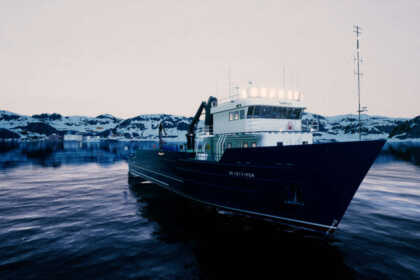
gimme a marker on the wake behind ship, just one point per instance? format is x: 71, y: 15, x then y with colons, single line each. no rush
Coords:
x: 254, y: 157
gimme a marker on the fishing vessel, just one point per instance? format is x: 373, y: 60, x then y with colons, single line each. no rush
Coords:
x: 255, y: 157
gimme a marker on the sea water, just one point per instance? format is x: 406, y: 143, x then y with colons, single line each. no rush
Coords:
x: 69, y: 212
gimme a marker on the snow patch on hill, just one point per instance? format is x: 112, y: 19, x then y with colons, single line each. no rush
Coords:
x: 346, y: 127
x: 145, y: 127
x: 40, y: 126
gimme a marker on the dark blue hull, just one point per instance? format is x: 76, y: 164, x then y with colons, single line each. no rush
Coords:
x: 308, y: 186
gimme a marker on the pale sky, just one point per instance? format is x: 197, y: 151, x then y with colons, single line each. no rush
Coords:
x: 131, y: 57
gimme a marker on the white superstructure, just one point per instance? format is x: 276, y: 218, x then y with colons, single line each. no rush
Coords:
x: 256, y: 114
x: 257, y: 117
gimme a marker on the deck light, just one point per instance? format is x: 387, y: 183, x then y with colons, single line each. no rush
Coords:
x: 272, y: 93
x: 281, y: 93
x: 290, y: 95
x: 244, y: 93
x: 263, y: 92
x: 253, y: 92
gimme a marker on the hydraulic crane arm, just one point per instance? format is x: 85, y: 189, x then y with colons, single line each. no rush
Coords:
x: 212, y: 101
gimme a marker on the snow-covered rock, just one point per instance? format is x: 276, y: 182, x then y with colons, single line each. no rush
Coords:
x: 145, y: 127
x: 7, y: 134
x: 42, y: 125
x: 346, y: 127
x: 407, y: 130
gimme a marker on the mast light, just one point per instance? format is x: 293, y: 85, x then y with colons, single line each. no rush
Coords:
x: 272, y: 93
x: 281, y: 94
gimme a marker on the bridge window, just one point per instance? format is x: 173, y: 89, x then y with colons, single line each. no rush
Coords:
x: 236, y: 115
x: 251, y: 110
x: 274, y: 112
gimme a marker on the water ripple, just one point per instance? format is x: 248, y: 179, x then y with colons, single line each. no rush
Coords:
x: 86, y: 220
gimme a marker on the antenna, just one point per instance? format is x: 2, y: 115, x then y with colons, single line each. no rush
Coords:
x: 230, y: 82
x: 358, y: 60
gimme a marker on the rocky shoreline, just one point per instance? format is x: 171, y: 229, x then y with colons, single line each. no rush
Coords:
x: 403, y: 135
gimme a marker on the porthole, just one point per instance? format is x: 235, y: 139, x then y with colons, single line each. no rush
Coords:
x: 294, y: 195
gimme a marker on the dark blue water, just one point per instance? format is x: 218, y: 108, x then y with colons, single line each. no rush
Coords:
x: 69, y: 212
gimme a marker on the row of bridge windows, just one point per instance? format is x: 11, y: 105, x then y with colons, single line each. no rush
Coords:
x: 267, y: 112
x: 274, y: 112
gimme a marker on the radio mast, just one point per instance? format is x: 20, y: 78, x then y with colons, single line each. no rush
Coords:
x: 358, y: 60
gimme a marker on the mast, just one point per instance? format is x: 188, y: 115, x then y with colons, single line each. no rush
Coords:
x: 357, y: 30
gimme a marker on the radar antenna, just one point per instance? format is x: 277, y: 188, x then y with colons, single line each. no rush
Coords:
x: 358, y: 60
